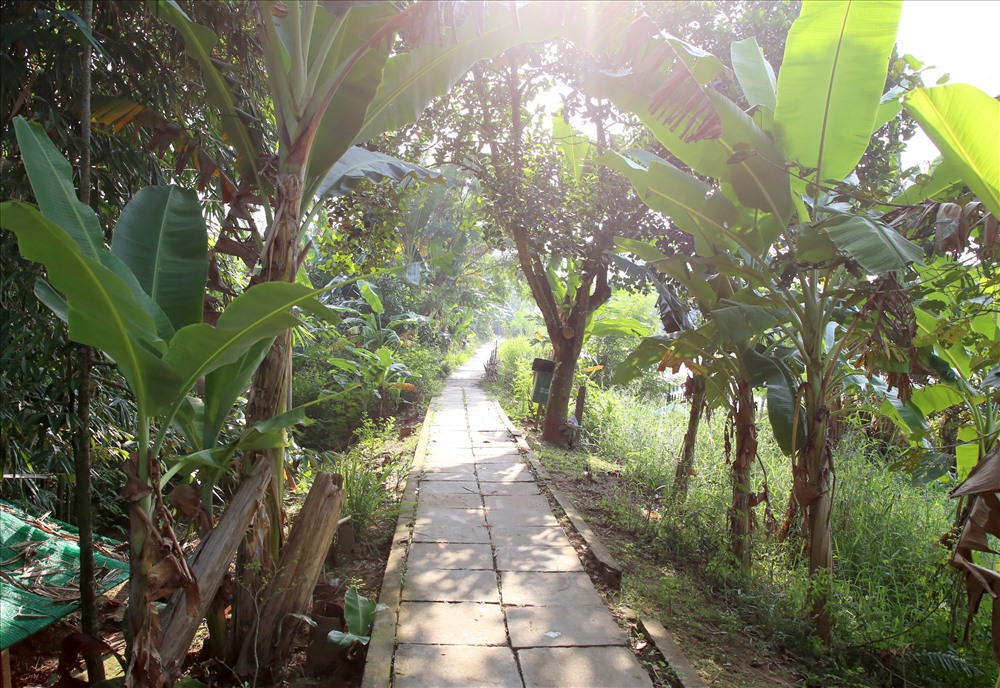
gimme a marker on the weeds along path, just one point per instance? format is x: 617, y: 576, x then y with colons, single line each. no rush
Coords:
x: 483, y: 586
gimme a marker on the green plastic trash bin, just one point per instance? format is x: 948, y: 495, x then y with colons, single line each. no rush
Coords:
x: 542, y: 369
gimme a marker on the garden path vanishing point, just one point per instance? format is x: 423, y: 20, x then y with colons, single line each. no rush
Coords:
x: 483, y: 587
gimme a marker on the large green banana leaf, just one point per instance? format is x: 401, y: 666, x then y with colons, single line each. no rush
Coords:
x: 51, y: 178
x: 413, y: 79
x: 358, y: 164
x: 831, y: 80
x: 161, y: 237
x: 782, y: 393
x: 261, y: 312
x: 744, y: 156
x: 874, y: 245
x: 102, y: 309
x: 365, y: 64
x: 688, y: 201
x: 52, y: 182
x: 755, y: 74
x: 964, y: 123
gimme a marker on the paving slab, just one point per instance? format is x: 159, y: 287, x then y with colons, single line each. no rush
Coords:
x: 505, y: 474
x: 544, y: 589
x: 499, y: 458
x: 447, y: 487
x: 559, y: 667
x: 515, y: 517
x: 451, y: 623
x: 455, y: 666
x: 562, y: 626
x: 462, y: 474
x: 509, y: 489
x: 503, y: 536
x: 448, y: 585
x: 440, y: 515
x: 449, y: 555
x: 537, y: 558
x: 459, y: 534
x: 452, y: 500
x: 524, y: 503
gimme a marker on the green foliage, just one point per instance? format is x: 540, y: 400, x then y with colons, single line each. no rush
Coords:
x: 359, y: 613
x: 892, y: 593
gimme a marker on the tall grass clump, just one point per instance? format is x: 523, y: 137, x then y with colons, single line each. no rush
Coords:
x: 372, y: 471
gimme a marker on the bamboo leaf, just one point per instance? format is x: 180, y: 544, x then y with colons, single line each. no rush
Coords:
x: 831, y: 81
x: 964, y: 123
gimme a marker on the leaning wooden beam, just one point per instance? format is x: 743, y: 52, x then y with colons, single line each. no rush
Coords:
x: 299, y: 567
x: 209, y: 563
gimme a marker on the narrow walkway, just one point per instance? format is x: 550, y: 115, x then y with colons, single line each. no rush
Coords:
x: 493, y: 593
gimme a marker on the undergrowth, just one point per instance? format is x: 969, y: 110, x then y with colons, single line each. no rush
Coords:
x: 898, y: 609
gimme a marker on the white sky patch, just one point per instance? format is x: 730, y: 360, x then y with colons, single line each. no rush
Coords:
x: 958, y: 37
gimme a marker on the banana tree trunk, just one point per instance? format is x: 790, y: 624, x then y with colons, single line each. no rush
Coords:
x: 268, y: 398
x: 740, y: 526
x: 813, y: 482
x: 685, y: 462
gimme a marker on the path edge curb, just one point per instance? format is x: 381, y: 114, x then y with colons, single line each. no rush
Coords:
x: 382, y: 645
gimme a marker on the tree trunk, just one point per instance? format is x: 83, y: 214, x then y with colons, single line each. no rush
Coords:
x: 812, y: 483
x: 685, y: 462
x: 740, y: 525
x: 210, y: 563
x: 561, y: 391
x: 268, y: 398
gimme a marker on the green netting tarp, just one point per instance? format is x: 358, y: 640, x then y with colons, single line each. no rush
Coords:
x: 39, y: 573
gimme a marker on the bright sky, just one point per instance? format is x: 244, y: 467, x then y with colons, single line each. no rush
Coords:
x: 958, y: 37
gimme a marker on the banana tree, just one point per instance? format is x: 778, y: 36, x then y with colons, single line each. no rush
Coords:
x: 335, y: 82
x: 730, y: 361
x: 141, y: 304
x: 804, y: 248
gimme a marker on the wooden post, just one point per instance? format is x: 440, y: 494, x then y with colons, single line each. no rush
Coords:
x: 5, y: 681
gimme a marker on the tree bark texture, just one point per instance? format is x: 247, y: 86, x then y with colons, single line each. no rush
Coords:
x: 740, y: 515
x: 268, y: 398
x: 290, y: 591
x: 685, y: 462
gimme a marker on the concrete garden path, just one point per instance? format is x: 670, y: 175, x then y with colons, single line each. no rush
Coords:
x: 482, y: 586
